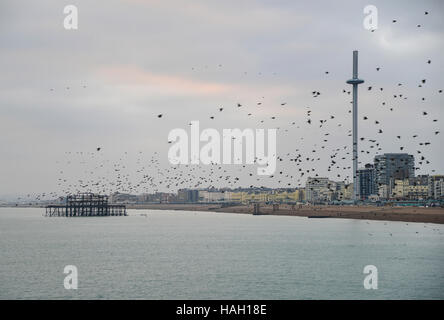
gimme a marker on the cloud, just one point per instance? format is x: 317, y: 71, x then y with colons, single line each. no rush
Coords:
x: 133, y: 76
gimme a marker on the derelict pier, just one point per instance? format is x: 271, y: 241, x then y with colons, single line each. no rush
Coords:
x: 85, y: 205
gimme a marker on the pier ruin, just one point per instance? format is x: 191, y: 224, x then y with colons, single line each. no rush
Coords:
x: 85, y: 205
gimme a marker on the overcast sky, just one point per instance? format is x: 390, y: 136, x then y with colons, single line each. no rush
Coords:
x: 132, y: 60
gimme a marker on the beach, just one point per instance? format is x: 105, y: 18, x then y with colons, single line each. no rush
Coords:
x: 367, y: 212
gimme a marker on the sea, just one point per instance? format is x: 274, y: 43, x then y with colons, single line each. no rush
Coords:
x: 154, y: 254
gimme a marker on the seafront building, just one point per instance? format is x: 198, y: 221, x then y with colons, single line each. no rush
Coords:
x: 211, y: 196
x: 390, y: 167
x: 395, y: 179
x: 254, y: 196
x: 366, y: 180
x: 187, y: 195
x: 436, y: 187
x: 321, y: 189
x: 420, y: 187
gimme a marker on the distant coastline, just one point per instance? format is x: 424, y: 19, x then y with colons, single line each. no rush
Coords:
x: 384, y: 213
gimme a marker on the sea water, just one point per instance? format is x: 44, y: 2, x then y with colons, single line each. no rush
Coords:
x: 205, y: 255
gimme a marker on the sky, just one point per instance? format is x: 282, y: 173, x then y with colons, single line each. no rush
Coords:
x: 65, y: 93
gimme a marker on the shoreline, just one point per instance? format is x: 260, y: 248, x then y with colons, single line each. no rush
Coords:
x: 386, y: 213
x: 364, y: 212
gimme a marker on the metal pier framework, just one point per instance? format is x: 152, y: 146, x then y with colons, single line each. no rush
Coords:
x: 85, y: 205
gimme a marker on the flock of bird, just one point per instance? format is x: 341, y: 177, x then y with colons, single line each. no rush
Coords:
x: 147, y: 172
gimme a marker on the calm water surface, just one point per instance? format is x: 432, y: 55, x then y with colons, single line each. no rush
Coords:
x: 196, y: 255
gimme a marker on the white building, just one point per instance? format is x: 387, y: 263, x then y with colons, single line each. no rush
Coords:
x: 211, y: 196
